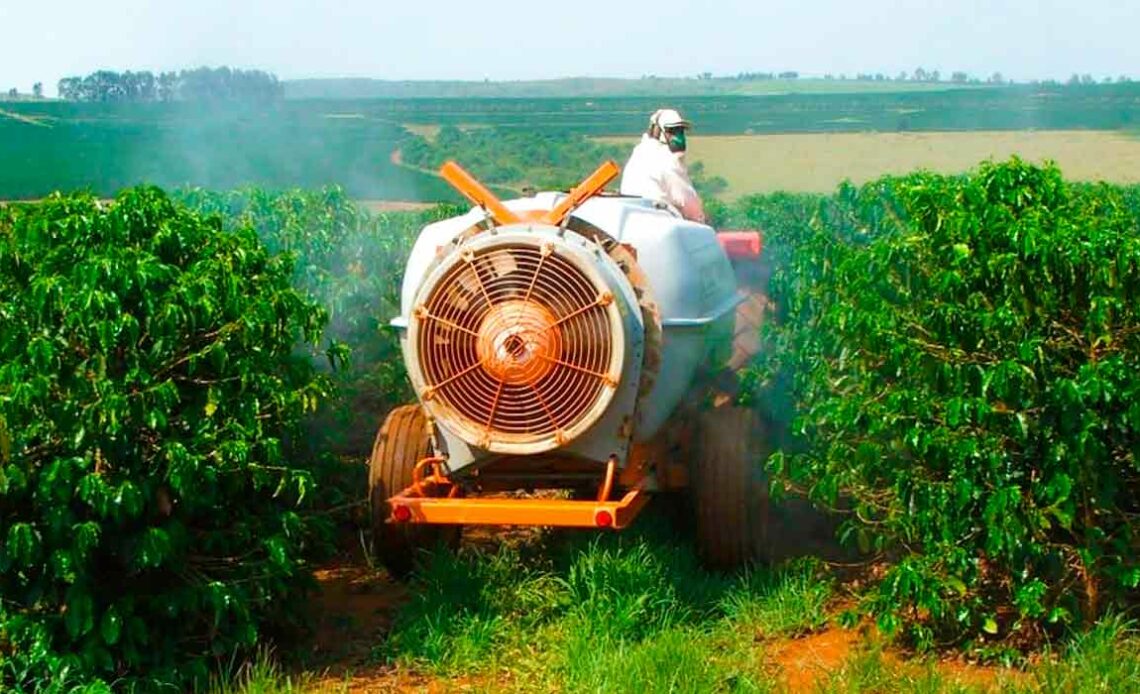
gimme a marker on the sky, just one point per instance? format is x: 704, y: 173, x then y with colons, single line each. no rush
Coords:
x: 44, y: 40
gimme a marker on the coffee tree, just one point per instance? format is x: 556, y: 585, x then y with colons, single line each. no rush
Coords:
x: 151, y: 506
x: 960, y: 358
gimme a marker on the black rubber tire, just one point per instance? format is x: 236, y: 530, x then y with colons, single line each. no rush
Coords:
x: 401, y: 442
x: 730, y: 488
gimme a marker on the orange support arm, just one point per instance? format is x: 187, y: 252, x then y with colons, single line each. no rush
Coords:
x: 590, y: 187
x: 477, y: 193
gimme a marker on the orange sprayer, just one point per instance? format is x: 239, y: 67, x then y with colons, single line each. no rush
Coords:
x: 566, y: 341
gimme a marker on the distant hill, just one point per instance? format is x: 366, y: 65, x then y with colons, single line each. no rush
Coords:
x: 570, y: 87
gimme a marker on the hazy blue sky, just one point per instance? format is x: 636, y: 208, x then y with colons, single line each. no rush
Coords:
x: 511, y: 39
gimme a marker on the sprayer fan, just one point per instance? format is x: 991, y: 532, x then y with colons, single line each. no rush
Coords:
x: 518, y: 345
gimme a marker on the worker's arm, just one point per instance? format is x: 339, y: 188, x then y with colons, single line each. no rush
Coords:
x: 681, y: 191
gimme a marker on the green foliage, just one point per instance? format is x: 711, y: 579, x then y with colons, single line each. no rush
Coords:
x: 961, y: 355
x: 515, y: 157
x: 582, y: 88
x: 152, y: 506
x: 311, y: 143
x: 352, y: 264
x: 465, y: 607
x: 707, y: 186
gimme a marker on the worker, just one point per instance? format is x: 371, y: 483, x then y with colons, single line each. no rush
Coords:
x: 656, y: 168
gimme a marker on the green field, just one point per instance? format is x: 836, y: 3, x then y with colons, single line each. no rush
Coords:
x: 816, y: 163
x: 47, y: 146
x: 104, y: 148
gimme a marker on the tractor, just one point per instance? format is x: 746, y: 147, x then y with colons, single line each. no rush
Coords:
x: 578, y: 341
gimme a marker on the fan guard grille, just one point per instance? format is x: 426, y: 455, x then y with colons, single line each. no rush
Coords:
x: 515, y: 345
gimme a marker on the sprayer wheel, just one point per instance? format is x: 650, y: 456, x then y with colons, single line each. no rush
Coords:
x: 401, y: 442
x: 730, y: 488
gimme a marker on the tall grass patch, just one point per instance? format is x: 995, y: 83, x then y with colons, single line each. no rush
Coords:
x: 602, y: 613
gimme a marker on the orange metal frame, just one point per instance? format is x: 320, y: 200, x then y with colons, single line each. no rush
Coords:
x: 434, y: 498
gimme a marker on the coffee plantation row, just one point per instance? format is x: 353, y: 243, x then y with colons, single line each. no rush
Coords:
x: 955, y: 363
x: 952, y: 364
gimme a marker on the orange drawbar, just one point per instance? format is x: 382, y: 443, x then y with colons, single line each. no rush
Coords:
x: 434, y: 499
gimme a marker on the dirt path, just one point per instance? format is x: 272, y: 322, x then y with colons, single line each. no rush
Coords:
x: 29, y: 120
x: 397, y: 159
x: 354, y: 612
x: 395, y: 205
x: 357, y: 605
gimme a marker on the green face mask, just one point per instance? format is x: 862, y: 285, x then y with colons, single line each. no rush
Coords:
x: 677, y: 141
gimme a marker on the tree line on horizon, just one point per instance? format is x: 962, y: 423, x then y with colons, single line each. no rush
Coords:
x: 199, y: 84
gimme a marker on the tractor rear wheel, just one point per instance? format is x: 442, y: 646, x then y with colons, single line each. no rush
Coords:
x: 402, y: 442
x: 730, y: 488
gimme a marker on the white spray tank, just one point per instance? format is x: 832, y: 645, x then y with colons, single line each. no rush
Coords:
x: 580, y: 338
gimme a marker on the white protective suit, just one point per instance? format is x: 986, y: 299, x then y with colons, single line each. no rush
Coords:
x: 656, y: 173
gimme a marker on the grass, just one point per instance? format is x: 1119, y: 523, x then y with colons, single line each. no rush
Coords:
x: 599, y: 613
x: 1107, y: 658
x: 787, y: 602
x: 263, y: 675
x: 635, y: 613
x: 615, y: 613
x: 872, y: 671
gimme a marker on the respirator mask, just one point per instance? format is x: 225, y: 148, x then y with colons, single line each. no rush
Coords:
x: 675, y: 138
